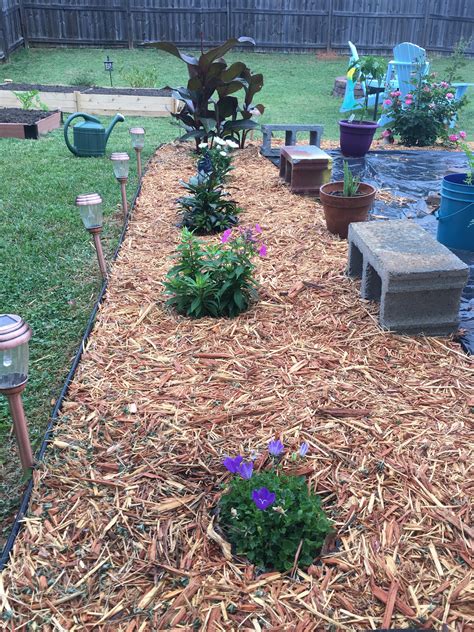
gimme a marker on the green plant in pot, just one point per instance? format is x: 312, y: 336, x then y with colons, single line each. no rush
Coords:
x: 356, y: 132
x: 456, y: 212
x: 346, y: 201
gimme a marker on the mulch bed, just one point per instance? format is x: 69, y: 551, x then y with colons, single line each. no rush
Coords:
x: 121, y: 534
x: 25, y: 117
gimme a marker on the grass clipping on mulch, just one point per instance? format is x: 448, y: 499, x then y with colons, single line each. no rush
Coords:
x: 121, y: 535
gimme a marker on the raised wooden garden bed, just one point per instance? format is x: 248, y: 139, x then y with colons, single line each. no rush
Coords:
x: 18, y: 123
x: 128, y: 101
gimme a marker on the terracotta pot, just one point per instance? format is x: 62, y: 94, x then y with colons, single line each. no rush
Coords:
x: 341, y: 211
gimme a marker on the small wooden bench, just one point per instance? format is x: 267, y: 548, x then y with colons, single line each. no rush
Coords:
x: 305, y: 168
x: 417, y: 280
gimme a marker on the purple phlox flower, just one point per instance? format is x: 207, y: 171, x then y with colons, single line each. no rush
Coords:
x: 232, y: 464
x: 304, y: 447
x: 258, y: 228
x: 226, y: 235
x: 262, y: 251
x: 245, y: 469
x: 275, y: 447
x: 263, y: 498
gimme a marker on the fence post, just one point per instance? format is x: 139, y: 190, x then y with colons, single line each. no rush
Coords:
x: 330, y: 16
x: 128, y: 23
x: 24, y: 24
x: 229, y: 19
x: 426, y: 19
x: 3, y: 32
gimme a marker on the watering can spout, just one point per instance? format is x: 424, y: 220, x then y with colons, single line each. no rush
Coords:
x: 117, y: 118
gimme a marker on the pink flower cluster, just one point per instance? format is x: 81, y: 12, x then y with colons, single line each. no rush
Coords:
x: 455, y: 137
x: 249, y: 234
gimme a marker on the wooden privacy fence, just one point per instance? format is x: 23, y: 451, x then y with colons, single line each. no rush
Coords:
x: 375, y: 26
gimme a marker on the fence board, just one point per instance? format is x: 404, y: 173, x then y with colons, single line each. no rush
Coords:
x: 375, y: 26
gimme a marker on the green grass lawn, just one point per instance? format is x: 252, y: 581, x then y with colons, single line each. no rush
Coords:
x: 48, y: 268
x: 297, y: 87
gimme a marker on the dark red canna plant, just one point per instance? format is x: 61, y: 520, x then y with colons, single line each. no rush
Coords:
x: 210, y: 107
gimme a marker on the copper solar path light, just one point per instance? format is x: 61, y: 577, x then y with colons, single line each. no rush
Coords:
x: 121, y: 162
x: 138, y: 142
x: 90, y: 209
x: 14, y: 336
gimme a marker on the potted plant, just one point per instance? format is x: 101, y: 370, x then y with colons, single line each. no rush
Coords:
x: 346, y: 201
x: 456, y: 211
x: 356, y: 135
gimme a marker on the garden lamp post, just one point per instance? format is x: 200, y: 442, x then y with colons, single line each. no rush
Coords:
x: 14, y: 336
x: 138, y: 142
x: 90, y: 209
x: 109, y: 67
x: 121, y: 162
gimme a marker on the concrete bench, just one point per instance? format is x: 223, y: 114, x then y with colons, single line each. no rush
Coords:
x: 417, y: 280
x: 315, y: 134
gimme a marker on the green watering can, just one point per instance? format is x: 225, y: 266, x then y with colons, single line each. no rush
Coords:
x: 90, y: 136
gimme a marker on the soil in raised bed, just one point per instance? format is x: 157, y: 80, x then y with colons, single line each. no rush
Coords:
x: 26, y: 117
x: 142, y: 92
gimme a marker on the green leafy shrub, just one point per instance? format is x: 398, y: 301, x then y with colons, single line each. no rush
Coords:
x: 216, y: 158
x: 209, y: 105
x: 424, y: 115
x: 215, y: 280
x: 370, y: 71
x: 139, y: 77
x: 457, y: 61
x: 207, y: 210
x: 271, y: 517
x: 83, y: 79
x: 30, y: 100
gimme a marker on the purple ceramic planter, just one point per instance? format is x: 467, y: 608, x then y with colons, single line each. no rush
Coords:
x: 356, y: 138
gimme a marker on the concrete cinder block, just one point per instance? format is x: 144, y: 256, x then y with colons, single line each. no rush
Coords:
x: 291, y: 131
x: 417, y: 280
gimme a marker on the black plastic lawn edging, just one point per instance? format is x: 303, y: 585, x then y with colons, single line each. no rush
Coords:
x: 25, y: 501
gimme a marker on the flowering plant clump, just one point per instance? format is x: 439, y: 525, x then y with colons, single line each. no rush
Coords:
x: 216, y: 158
x: 457, y: 139
x: 423, y: 116
x: 272, y: 517
x: 207, y: 209
x: 215, y: 279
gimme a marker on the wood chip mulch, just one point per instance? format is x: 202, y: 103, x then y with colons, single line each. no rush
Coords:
x: 121, y: 532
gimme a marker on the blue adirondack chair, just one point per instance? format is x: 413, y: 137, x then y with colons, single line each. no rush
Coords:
x: 409, y: 61
x: 350, y: 102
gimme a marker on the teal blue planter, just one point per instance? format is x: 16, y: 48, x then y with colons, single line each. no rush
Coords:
x: 456, y: 213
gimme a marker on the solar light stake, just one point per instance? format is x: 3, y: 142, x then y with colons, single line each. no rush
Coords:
x: 121, y: 162
x: 109, y: 67
x: 14, y: 337
x: 95, y: 232
x: 138, y: 142
x: 90, y: 208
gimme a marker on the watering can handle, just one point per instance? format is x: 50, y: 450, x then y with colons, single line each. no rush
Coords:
x: 68, y: 122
